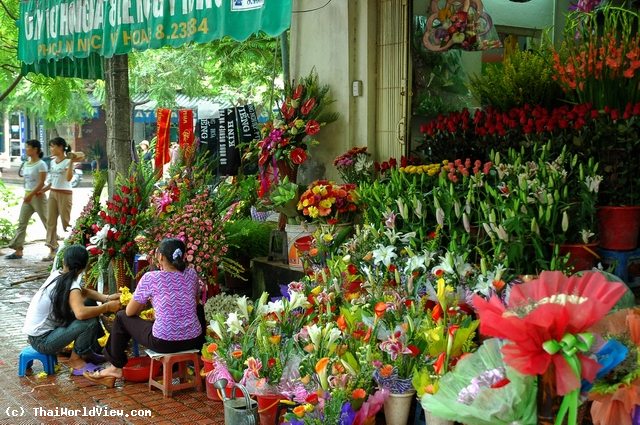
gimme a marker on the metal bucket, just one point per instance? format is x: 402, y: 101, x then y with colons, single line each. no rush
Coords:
x: 237, y: 411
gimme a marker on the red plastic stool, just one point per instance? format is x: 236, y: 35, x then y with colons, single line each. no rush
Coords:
x: 166, y: 384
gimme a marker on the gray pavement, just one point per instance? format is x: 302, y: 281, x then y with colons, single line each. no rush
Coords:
x: 62, y: 398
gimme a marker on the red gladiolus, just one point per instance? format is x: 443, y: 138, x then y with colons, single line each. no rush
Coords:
x: 298, y: 156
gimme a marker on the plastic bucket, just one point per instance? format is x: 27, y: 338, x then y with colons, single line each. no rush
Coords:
x: 294, y: 232
x: 581, y: 256
x: 268, y: 408
x: 618, y: 227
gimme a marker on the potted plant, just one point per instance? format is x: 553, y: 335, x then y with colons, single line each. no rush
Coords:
x: 246, y: 239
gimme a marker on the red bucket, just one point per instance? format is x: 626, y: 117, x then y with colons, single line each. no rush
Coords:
x: 268, y: 408
x: 618, y: 227
x: 581, y: 256
x: 137, y: 369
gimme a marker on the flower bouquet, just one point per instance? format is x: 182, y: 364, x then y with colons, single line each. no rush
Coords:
x: 328, y: 202
x: 355, y: 165
x: 616, y: 391
x: 286, y: 140
x: 120, y: 222
x: 482, y: 390
x: 547, y: 321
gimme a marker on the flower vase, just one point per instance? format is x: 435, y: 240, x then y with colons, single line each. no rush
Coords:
x: 397, y: 408
x: 430, y: 419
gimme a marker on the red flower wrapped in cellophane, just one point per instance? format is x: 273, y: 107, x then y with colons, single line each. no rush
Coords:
x: 546, y: 322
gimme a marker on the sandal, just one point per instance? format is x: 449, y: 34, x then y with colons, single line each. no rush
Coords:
x: 13, y: 256
x: 89, y: 367
x: 49, y: 258
x: 96, y: 378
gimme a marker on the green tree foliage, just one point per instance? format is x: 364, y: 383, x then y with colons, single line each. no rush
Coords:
x: 236, y: 71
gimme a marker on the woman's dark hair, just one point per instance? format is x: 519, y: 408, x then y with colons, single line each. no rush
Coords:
x: 173, y: 250
x: 36, y: 145
x: 75, y: 258
x: 59, y: 141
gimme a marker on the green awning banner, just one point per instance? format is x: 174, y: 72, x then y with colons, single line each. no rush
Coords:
x: 55, y: 36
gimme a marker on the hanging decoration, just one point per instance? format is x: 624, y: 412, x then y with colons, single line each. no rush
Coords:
x: 163, y: 139
x: 455, y: 24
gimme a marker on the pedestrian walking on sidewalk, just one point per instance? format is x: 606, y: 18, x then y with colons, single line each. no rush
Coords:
x: 60, y: 199
x: 62, y: 312
x: 35, y: 174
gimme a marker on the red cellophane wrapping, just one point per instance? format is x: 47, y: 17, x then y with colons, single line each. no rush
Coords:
x: 546, y: 309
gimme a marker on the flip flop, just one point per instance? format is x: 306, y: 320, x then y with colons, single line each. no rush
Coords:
x: 89, y: 367
x: 13, y: 256
x: 96, y: 358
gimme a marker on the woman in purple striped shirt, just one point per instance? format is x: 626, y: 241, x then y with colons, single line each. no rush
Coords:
x: 179, y: 318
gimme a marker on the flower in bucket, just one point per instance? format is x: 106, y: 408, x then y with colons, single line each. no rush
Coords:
x: 328, y: 202
x: 546, y: 322
x: 355, y: 165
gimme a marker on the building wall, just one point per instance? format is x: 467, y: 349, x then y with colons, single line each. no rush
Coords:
x: 339, y: 41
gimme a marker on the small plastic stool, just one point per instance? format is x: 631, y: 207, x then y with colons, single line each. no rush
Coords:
x: 168, y: 360
x: 29, y: 354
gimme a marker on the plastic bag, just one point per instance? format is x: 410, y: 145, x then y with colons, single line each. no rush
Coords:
x: 458, y: 400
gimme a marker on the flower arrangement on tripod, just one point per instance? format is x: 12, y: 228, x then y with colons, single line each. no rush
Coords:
x: 285, y: 141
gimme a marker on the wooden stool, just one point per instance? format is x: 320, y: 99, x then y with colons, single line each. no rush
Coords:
x: 168, y: 360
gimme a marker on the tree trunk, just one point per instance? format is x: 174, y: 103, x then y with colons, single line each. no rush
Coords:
x: 118, y: 108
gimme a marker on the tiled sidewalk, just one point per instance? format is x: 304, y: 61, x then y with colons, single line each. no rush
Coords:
x: 27, y: 400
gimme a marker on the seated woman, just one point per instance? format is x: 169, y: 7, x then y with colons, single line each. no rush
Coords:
x: 179, y: 323
x: 60, y: 313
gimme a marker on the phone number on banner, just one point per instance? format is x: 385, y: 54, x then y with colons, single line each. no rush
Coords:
x: 173, y: 31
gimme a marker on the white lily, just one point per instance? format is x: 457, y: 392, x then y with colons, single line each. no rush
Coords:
x: 234, y: 324
x: 384, y: 255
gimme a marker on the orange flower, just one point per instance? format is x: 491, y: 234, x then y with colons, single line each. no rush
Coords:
x: 342, y: 323
x: 358, y: 393
x: 299, y: 411
x: 380, y: 308
x: 322, y: 364
x: 212, y: 348
x: 275, y: 339
x: 236, y: 354
x: 386, y: 371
